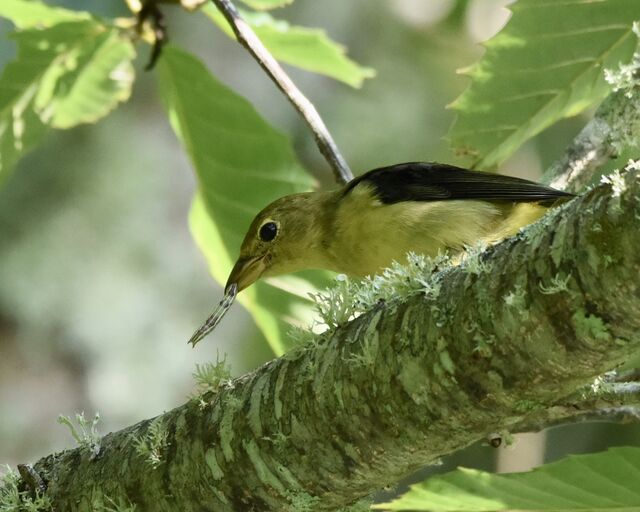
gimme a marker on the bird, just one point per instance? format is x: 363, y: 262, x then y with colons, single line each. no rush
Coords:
x: 380, y: 216
x: 361, y: 228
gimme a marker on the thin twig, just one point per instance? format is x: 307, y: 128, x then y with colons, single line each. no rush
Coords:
x: 247, y: 38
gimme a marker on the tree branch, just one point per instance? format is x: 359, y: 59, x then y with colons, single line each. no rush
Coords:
x: 402, y: 385
x: 248, y: 38
x: 614, y: 126
x: 619, y: 402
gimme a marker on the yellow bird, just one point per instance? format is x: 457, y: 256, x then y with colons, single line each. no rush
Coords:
x: 379, y: 217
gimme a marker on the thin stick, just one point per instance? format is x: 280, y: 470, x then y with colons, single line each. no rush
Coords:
x: 247, y: 38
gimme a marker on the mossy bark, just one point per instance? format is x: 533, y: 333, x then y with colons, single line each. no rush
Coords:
x: 508, y: 336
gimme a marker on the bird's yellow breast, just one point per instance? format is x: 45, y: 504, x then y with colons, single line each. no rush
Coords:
x: 368, y: 234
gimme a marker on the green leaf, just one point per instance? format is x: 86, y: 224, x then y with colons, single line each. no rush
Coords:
x: 305, y: 48
x: 266, y: 4
x: 90, y: 74
x: 71, y: 73
x: 30, y: 13
x: 242, y: 164
x: 546, y: 64
x: 605, y: 481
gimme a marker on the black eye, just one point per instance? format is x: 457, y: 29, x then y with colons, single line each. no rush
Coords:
x: 268, y: 231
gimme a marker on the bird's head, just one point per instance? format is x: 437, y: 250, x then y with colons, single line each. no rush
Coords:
x: 285, y: 237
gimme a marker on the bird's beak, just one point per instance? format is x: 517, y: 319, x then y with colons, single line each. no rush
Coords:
x: 245, y: 272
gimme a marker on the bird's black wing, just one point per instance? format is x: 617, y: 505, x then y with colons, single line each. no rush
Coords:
x: 425, y: 181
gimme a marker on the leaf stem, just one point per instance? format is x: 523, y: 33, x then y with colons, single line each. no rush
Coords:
x: 248, y: 38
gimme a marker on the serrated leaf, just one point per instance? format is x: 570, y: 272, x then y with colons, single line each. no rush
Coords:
x: 306, y: 48
x: 608, y: 481
x: 31, y: 13
x: 266, y: 4
x: 242, y: 164
x: 547, y: 63
x: 71, y: 73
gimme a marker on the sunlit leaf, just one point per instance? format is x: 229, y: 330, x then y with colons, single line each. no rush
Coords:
x: 604, y: 482
x: 547, y: 63
x: 71, y: 73
x: 30, y: 13
x: 306, y: 48
x: 242, y: 164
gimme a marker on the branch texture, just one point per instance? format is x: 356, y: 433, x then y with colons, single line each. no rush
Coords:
x: 402, y: 385
x: 248, y: 38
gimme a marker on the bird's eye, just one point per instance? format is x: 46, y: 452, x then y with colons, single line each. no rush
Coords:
x: 268, y: 231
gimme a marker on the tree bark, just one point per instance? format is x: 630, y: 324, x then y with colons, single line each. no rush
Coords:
x: 511, y: 333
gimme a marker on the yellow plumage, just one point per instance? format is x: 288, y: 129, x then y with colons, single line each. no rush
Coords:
x: 368, y: 234
x: 386, y: 213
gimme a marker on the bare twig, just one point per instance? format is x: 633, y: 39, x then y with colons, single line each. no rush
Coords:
x: 247, y: 38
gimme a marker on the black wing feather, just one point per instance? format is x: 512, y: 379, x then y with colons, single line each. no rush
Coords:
x: 427, y: 181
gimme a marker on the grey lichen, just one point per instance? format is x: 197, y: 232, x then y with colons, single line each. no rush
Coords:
x: 300, y: 336
x: 12, y: 499
x: 209, y: 377
x: 86, y: 433
x: 152, y: 445
x: 474, y: 260
x: 335, y: 307
x: 347, y: 299
x: 626, y: 76
x: 590, y: 326
x: 516, y: 297
x: 418, y: 276
x: 616, y: 180
x: 558, y: 284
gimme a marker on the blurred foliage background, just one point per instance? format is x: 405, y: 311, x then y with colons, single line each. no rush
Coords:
x: 100, y: 281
